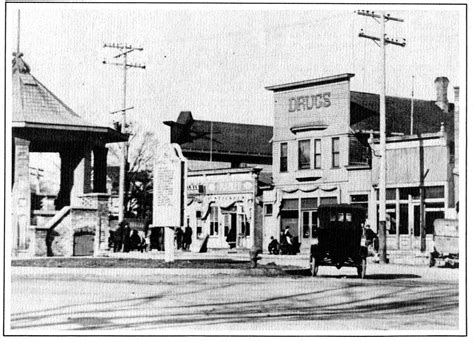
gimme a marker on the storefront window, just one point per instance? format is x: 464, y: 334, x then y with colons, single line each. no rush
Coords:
x: 328, y: 200
x: 390, y: 194
x: 413, y: 191
x: 416, y: 220
x: 403, y: 219
x: 434, y: 192
x: 289, y: 204
x: 304, y: 154
x: 284, y: 157
x: 317, y: 154
x: 335, y: 152
x: 391, y: 219
x: 214, y: 221
x: 306, y: 224
x: 430, y: 218
x: 226, y: 224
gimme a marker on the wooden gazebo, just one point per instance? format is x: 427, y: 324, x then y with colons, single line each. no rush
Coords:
x: 43, y: 123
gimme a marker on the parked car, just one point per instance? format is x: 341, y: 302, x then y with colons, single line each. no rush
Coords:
x: 340, y: 239
x: 446, y: 243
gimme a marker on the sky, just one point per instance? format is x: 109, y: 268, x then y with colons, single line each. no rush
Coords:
x: 216, y: 61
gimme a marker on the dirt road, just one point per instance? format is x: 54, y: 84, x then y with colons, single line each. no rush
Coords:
x: 225, y: 302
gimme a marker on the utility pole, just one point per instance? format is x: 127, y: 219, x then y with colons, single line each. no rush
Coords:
x: 124, y: 51
x: 383, y: 40
x: 412, y: 103
x: 210, y: 143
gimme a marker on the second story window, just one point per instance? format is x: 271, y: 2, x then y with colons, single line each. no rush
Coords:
x: 317, y: 154
x: 304, y: 156
x: 335, y: 152
x: 284, y: 157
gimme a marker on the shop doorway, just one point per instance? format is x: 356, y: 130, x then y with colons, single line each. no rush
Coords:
x: 289, y: 219
x: 230, y: 228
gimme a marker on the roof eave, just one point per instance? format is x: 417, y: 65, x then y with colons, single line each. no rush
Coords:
x: 113, y: 135
x: 310, y: 83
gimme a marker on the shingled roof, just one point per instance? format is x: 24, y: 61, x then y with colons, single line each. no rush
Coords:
x: 35, y: 106
x: 427, y: 116
x: 227, y: 138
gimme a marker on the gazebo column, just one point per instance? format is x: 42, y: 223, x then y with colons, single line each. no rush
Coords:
x: 75, y: 176
x: 100, y: 170
x: 21, y: 206
x: 82, y: 178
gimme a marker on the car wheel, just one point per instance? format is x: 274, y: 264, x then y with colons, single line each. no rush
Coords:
x: 313, y: 267
x: 361, y: 269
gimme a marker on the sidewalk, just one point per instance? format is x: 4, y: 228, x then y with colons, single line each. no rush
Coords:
x: 300, y: 260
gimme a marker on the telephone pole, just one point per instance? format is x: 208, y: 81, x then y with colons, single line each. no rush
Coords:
x: 124, y: 51
x: 381, y: 41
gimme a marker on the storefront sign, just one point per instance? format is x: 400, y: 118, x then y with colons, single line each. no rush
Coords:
x: 195, y: 189
x: 229, y: 187
x: 309, y: 102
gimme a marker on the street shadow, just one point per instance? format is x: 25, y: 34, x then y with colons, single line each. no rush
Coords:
x: 351, y: 301
x: 307, y: 273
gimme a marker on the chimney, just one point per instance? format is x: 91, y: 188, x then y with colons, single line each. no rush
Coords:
x: 441, y: 84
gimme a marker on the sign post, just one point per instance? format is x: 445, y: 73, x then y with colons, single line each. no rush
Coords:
x: 169, y: 193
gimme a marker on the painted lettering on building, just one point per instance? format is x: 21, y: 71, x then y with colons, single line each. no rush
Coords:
x: 196, y: 189
x: 309, y: 102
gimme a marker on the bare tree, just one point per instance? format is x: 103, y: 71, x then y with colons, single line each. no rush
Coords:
x: 138, y: 177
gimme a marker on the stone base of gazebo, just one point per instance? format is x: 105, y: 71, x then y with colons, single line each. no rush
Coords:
x: 78, y: 230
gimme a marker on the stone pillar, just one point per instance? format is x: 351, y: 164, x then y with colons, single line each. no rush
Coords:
x: 100, y: 170
x: 99, y: 202
x: 82, y: 178
x: 21, y: 194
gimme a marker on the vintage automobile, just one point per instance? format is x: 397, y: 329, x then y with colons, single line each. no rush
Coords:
x: 446, y: 243
x: 340, y: 239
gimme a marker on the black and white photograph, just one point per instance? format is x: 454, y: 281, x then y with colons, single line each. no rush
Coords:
x: 239, y: 170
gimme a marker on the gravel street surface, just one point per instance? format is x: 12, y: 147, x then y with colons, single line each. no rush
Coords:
x: 209, y: 301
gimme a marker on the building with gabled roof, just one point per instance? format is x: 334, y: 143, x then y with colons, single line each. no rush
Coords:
x: 232, y: 143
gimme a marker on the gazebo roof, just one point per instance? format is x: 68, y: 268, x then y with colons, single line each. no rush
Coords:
x: 35, y: 108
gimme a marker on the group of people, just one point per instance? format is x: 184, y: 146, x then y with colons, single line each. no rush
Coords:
x: 184, y: 238
x: 288, y: 244
x: 124, y: 239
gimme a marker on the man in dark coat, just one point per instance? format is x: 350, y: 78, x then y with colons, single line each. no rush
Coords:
x: 188, y: 234
x: 231, y: 238
x: 117, y: 237
x: 126, y: 237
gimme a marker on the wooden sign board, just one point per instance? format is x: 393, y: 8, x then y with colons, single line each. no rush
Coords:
x: 169, y: 193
